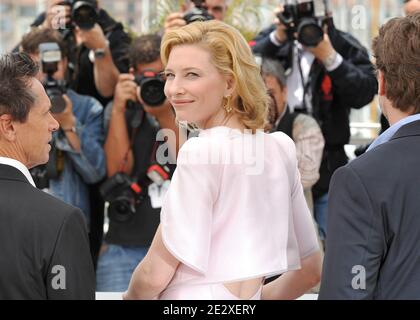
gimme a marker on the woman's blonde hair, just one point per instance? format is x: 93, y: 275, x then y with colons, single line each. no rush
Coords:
x: 232, y: 56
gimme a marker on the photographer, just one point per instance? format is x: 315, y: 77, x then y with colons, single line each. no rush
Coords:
x: 327, y: 77
x: 98, y: 45
x: 78, y: 159
x: 133, y: 189
x: 210, y: 9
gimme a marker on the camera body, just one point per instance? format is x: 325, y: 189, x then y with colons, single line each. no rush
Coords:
x: 151, y: 88
x: 122, y: 193
x: 300, y: 19
x: 50, y: 57
x: 84, y: 13
x: 198, y: 13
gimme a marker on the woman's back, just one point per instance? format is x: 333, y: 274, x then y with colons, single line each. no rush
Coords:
x: 229, y: 215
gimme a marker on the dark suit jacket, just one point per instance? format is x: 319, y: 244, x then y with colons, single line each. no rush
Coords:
x: 374, y: 223
x: 44, y: 249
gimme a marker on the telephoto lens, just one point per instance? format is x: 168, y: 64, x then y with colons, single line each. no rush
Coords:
x: 84, y: 14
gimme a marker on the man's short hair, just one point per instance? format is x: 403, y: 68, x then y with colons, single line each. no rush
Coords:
x: 31, y: 41
x: 397, y: 53
x: 16, y: 97
x: 144, y: 49
x: 271, y: 67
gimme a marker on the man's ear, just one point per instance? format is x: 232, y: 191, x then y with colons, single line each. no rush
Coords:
x: 381, y: 83
x: 7, y: 129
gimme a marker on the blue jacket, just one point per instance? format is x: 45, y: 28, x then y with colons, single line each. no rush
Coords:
x: 88, y: 166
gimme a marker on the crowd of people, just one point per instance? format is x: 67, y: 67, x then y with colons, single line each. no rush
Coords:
x: 221, y: 177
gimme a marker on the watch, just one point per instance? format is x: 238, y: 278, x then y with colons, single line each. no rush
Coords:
x: 101, y: 52
x: 330, y: 60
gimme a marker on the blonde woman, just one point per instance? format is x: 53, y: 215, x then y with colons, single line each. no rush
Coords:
x: 227, y: 223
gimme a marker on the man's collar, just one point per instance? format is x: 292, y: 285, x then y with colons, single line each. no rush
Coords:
x: 20, y: 166
x: 405, y: 127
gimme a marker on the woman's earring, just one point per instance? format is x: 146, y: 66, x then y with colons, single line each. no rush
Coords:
x: 226, y: 104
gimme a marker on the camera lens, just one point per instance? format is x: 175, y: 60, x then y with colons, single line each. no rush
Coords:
x: 84, y: 15
x: 197, y: 14
x: 121, y: 209
x: 152, y: 92
x: 310, y: 34
x: 58, y: 104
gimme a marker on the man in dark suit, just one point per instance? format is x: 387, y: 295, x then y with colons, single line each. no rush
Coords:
x: 374, y: 213
x: 43, y: 241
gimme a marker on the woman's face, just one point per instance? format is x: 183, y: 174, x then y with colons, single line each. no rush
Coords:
x: 194, y: 86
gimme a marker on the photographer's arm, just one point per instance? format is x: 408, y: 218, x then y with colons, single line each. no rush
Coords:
x: 83, y: 138
x: 268, y: 41
x: 105, y: 71
x: 67, y: 122
x: 106, y: 74
x: 352, y: 73
x: 118, y: 141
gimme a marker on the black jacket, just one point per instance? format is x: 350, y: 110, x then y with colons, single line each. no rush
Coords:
x: 40, y: 237
x: 352, y: 85
x: 373, y: 223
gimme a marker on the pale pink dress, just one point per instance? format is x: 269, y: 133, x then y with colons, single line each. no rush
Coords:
x: 227, y: 222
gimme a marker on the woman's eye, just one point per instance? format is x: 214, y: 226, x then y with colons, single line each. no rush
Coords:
x: 168, y: 75
x: 192, y: 74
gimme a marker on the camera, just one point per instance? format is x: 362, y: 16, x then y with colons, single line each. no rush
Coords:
x: 51, y: 170
x: 299, y: 18
x: 122, y: 193
x: 151, y: 88
x: 50, y: 57
x: 198, y: 13
x: 84, y: 13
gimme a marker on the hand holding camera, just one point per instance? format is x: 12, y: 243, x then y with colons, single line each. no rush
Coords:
x: 126, y: 90
x: 174, y: 20
x: 281, y: 34
x: 92, y: 39
x: 301, y: 22
x: 66, y: 119
x: 323, y: 50
x: 63, y: 15
x: 195, y: 12
x: 58, y: 17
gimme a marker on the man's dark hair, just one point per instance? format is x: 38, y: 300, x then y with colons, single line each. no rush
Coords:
x: 397, y: 53
x: 144, y: 49
x: 16, y: 97
x: 31, y: 41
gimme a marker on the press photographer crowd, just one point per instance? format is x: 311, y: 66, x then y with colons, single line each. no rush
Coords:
x: 101, y: 129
